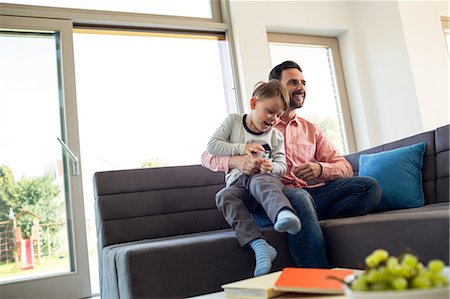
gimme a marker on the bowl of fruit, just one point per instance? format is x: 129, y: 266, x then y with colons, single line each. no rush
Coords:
x: 402, y: 277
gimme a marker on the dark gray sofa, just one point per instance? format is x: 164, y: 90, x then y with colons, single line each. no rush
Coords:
x: 161, y: 236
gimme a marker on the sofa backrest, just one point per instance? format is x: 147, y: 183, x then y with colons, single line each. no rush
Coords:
x: 149, y: 203
x: 442, y: 163
x: 435, y: 169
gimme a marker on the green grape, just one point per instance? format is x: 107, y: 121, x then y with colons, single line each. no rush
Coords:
x: 420, y: 267
x: 407, y: 271
x: 421, y: 281
x: 393, y: 266
x: 410, y: 260
x: 436, y: 266
x: 373, y: 275
x: 399, y: 283
x: 384, y: 272
x: 438, y: 280
x: 371, y: 261
x: 379, y: 286
x: 376, y: 257
x: 380, y: 255
x: 359, y: 284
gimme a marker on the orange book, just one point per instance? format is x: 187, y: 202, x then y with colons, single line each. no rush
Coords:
x: 311, y: 280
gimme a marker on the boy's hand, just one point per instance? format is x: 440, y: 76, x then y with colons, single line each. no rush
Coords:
x: 266, y: 166
x: 253, y: 149
x: 246, y: 164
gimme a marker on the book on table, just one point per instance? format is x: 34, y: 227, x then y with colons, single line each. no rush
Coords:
x: 297, y: 280
x: 255, y: 287
x: 312, y: 280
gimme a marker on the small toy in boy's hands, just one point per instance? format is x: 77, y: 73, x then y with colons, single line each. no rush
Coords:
x: 258, y: 150
x: 253, y: 149
x: 266, y: 153
x: 266, y: 164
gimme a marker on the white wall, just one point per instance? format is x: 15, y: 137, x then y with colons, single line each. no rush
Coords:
x: 388, y: 98
x: 428, y: 56
x: 396, y: 75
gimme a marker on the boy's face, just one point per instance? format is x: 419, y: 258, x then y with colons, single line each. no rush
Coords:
x: 265, y: 113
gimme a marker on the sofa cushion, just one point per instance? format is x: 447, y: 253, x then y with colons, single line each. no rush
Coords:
x: 399, y: 173
x: 423, y: 230
x: 154, y: 201
x: 429, y: 161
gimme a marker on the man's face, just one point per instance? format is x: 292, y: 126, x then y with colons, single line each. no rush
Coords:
x: 295, y: 83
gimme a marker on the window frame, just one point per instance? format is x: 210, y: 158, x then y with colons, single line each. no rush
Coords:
x: 446, y: 29
x: 333, y: 45
x: 82, y: 18
x: 77, y: 282
x: 111, y: 18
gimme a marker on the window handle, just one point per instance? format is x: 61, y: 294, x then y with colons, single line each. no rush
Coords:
x: 75, y: 161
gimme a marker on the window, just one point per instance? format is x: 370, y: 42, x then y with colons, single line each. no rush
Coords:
x: 146, y: 99
x: 326, y: 101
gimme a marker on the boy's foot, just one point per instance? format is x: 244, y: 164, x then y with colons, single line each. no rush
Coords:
x: 264, y: 254
x: 287, y: 221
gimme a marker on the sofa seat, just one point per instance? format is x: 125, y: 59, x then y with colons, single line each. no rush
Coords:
x: 423, y: 229
x: 190, y: 264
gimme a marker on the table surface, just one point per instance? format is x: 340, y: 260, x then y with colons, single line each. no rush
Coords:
x: 284, y: 296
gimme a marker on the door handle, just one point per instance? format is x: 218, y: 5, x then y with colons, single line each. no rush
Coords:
x: 72, y: 156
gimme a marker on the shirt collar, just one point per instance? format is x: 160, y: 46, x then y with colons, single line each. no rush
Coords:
x: 295, y: 119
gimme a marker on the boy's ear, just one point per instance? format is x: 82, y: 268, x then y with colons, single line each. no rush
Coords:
x: 253, y: 103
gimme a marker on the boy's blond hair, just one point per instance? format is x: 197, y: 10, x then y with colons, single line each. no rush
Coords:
x: 271, y: 89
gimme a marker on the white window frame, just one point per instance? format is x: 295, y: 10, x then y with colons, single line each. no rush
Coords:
x: 77, y: 284
x: 74, y: 284
x: 121, y: 19
x: 446, y: 28
x: 333, y: 45
x: 215, y: 11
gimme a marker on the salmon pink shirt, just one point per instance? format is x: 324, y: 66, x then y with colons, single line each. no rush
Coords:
x: 304, y: 142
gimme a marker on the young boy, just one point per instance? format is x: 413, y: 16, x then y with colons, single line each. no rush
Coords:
x: 252, y: 134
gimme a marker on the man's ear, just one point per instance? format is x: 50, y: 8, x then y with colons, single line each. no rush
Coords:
x: 253, y: 103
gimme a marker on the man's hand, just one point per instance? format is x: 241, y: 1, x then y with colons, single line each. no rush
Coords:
x: 246, y: 164
x: 253, y: 148
x: 266, y: 166
x: 308, y: 171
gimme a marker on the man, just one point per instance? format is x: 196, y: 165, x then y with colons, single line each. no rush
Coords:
x: 319, y: 182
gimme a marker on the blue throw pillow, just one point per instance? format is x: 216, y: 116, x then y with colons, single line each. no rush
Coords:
x: 399, y: 173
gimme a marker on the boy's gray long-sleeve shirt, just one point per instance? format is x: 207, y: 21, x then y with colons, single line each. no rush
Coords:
x: 232, y: 136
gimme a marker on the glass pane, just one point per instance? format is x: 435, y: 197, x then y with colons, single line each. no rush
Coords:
x: 322, y: 103
x: 185, y: 8
x: 33, y: 223
x: 146, y: 100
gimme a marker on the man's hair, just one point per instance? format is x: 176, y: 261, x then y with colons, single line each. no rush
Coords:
x: 275, y: 73
x: 273, y: 88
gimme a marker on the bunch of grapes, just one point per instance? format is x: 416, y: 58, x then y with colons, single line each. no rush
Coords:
x: 386, y: 272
